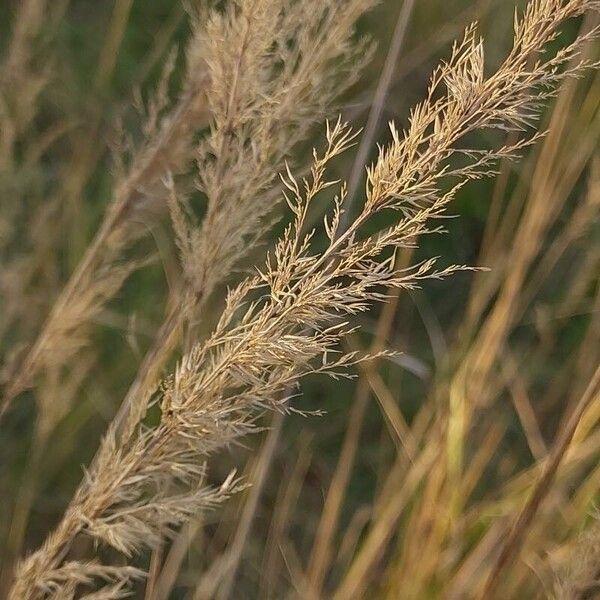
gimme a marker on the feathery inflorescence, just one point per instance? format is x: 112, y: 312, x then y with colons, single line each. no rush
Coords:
x: 288, y: 319
x: 273, y: 69
x: 580, y: 577
x: 167, y: 148
x: 22, y: 83
x: 255, y: 97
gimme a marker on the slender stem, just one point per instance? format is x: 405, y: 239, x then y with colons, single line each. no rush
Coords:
x: 513, y: 541
x: 383, y: 87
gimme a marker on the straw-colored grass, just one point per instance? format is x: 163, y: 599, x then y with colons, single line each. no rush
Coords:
x: 455, y: 513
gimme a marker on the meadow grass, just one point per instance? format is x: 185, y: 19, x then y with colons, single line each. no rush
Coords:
x: 473, y: 476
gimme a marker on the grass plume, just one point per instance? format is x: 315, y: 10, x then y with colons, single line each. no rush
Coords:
x: 288, y: 320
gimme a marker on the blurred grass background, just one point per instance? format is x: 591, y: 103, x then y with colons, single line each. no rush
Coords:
x: 497, y: 357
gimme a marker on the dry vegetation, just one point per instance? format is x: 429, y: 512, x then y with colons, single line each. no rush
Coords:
x: 483, y: 486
